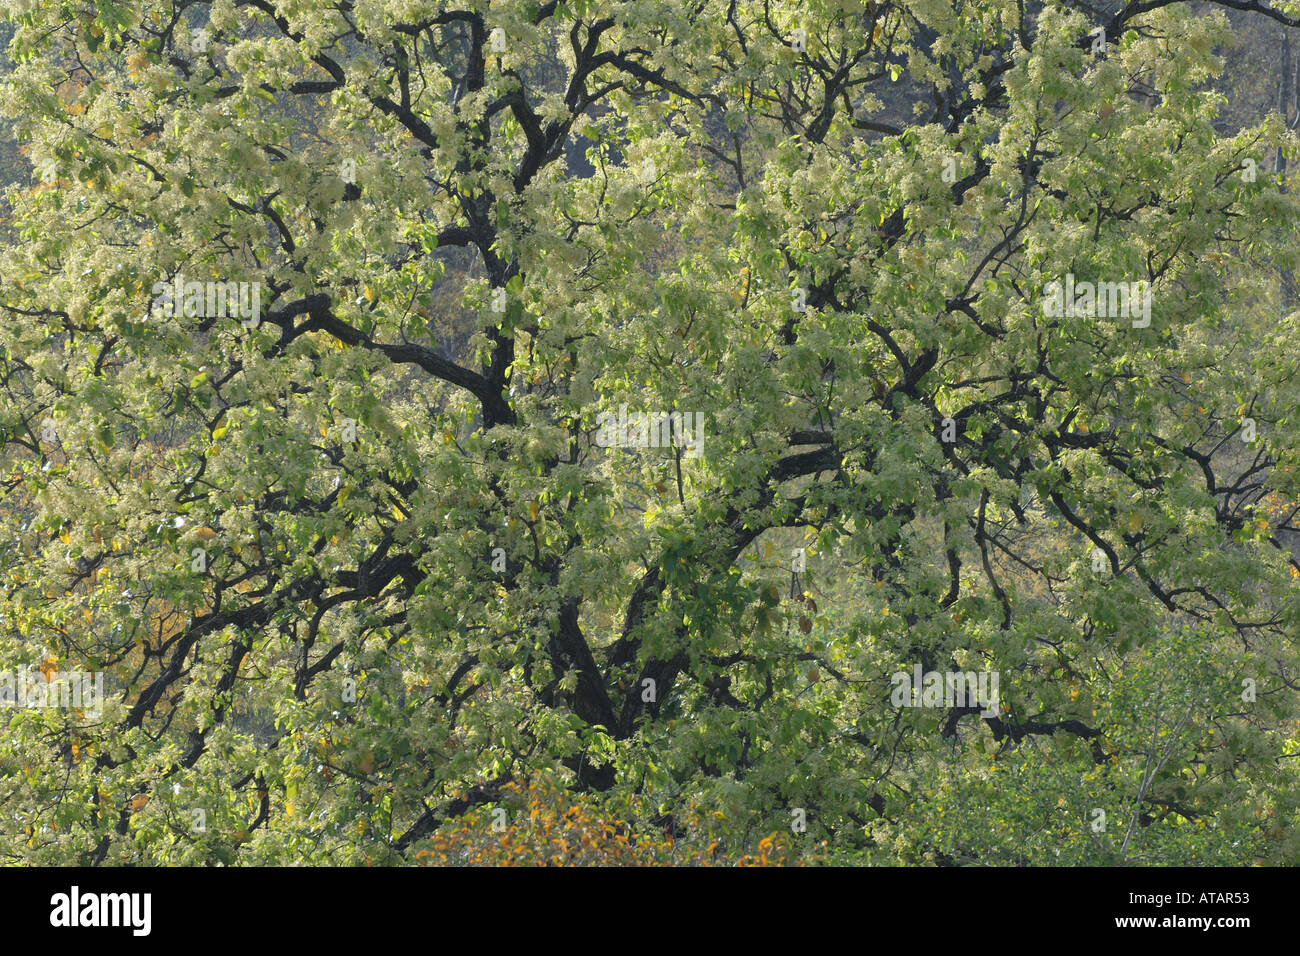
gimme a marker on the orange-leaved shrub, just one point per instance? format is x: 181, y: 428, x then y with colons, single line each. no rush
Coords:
x: 542, y: 824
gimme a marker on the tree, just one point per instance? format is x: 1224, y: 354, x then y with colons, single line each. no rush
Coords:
x: 382, y: 453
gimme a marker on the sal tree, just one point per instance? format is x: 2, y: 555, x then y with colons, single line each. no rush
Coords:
x: 323, y: 322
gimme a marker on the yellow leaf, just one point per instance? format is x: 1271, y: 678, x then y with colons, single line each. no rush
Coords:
x: 1134, y: 522
x: 139, y: 802
x: 532, y: 510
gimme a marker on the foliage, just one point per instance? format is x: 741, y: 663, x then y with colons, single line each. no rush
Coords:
x: 553, y: 827
x: 357, y: 564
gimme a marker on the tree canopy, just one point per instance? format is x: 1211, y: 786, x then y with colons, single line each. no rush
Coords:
x: 409, y: 403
